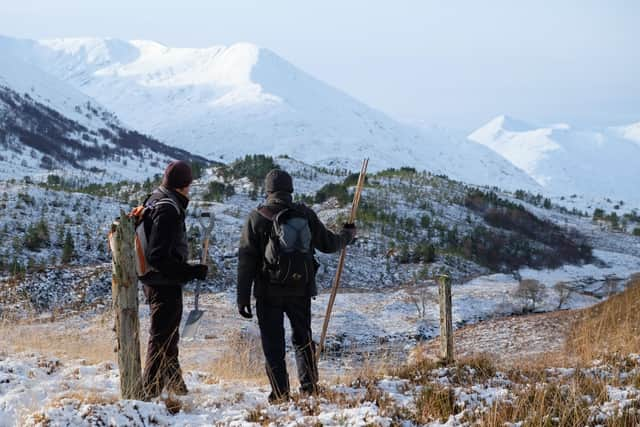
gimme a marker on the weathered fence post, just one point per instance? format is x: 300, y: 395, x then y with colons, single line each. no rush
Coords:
x: 446, y: 319
x: 124, y: 289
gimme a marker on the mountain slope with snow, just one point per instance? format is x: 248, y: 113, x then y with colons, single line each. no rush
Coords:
x: 47, y: 126
x: 224, y: 102
x: 567, y: 161
x: 630, y: 132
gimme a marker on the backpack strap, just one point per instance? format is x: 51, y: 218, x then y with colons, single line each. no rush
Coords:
x: 265, y: 212
x: 169, y: 201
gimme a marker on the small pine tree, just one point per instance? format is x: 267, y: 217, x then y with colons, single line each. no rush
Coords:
x: 37, y: 236
x: 68, y: 249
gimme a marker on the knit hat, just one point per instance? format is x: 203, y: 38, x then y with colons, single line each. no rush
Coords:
x: 177, y: 175
x: 278, y: 180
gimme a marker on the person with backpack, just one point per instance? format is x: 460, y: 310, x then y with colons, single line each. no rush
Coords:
x: 276, y: 259
x: 166, y: 253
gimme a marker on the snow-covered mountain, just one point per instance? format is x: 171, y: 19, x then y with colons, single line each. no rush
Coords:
x: 223, y: 102
x: 630, y: 132
x: 47, y: 126
x: 565, y: 160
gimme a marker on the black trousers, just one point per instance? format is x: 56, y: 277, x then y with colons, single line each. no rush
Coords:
x: 162, y: 366
x: 271, y: 311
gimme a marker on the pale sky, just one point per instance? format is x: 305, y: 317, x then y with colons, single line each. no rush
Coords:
x: 453, y: 63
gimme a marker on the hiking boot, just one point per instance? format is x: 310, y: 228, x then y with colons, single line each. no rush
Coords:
x: 307, y: 390
x: 178, y: 387
x: 276, y: 399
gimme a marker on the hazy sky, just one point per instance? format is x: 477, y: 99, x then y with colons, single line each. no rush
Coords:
x: 454, y: 63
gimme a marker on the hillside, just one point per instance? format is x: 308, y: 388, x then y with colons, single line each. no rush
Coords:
x: 47, y: 127
x: 412, y: 225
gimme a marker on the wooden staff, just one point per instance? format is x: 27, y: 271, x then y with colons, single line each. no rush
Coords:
x: 336, y: 280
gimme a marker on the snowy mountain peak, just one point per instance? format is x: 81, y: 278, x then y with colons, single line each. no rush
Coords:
x: 226, y: 101
x: 630, y: 132
x: 566, y: 160
x: 94, y: 51
x: 508, y: 123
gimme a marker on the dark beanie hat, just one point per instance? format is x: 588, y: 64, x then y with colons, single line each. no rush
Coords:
x: 177, y: 175
x: 278, y: 180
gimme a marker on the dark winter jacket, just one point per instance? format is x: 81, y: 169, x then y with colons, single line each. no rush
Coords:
x: 254, y: 239
x: 167, y: 250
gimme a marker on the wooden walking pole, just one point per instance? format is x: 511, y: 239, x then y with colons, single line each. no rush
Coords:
x: 124, y: 289
x: 446, y: 319
x: 343, y: 254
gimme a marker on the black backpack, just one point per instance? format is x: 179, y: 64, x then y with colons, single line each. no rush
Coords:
x: 288, y: 255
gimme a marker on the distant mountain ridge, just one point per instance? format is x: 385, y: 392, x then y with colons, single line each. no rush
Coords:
x: 564, y: 160
x: 224, y: 102
x: 47, y: 126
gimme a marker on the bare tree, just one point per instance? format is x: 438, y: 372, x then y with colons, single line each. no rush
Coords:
x: 422, y: 296
x: 531, y: 292
x: 564, y: 291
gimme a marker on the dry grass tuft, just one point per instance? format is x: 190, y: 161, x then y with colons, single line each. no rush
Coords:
x: 258, y: 415
x: 173, y: 405
x: 609, y: 327
x: 434, y: 402
x: 241, y: 359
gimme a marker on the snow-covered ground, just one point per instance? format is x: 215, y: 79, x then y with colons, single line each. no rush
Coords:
x: 44, y: 391
x: 381, y: 313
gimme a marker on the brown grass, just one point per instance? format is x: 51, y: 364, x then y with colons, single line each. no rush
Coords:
x: 434, y: 402
x: 241, y: 359
x: 93, y: 344
x: 609, y: 327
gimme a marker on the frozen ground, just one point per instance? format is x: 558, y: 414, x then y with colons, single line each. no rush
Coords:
x: 45, y: 391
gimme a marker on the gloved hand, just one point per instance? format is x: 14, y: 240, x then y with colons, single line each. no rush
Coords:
x: 245, y: 310
x: 351, y: 231
x: 199, y: 271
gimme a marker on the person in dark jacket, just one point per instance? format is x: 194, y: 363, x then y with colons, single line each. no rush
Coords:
x: 273, y: 301
x: 167, y: 254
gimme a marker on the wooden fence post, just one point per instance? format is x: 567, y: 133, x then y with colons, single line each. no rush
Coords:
x: 446, y: 319
x: 124, y: 289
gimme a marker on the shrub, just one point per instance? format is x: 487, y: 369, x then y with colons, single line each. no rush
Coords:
x: 218, y: 191
x: 339, y: 191
x: 598, y: 214
x: 255, y: 167
x: 434, y: 402
x: 68, y: 249
x: 37, y: 236
x: 531, y: 292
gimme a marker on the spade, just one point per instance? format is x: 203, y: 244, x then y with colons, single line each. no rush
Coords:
x: 195, y: 315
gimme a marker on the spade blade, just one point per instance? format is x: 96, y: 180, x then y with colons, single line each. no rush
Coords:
x: 191, y: 325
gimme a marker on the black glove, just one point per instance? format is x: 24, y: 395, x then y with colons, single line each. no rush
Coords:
x: 245, y: 310
x: 199, y: 271
x: 350, y: 230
